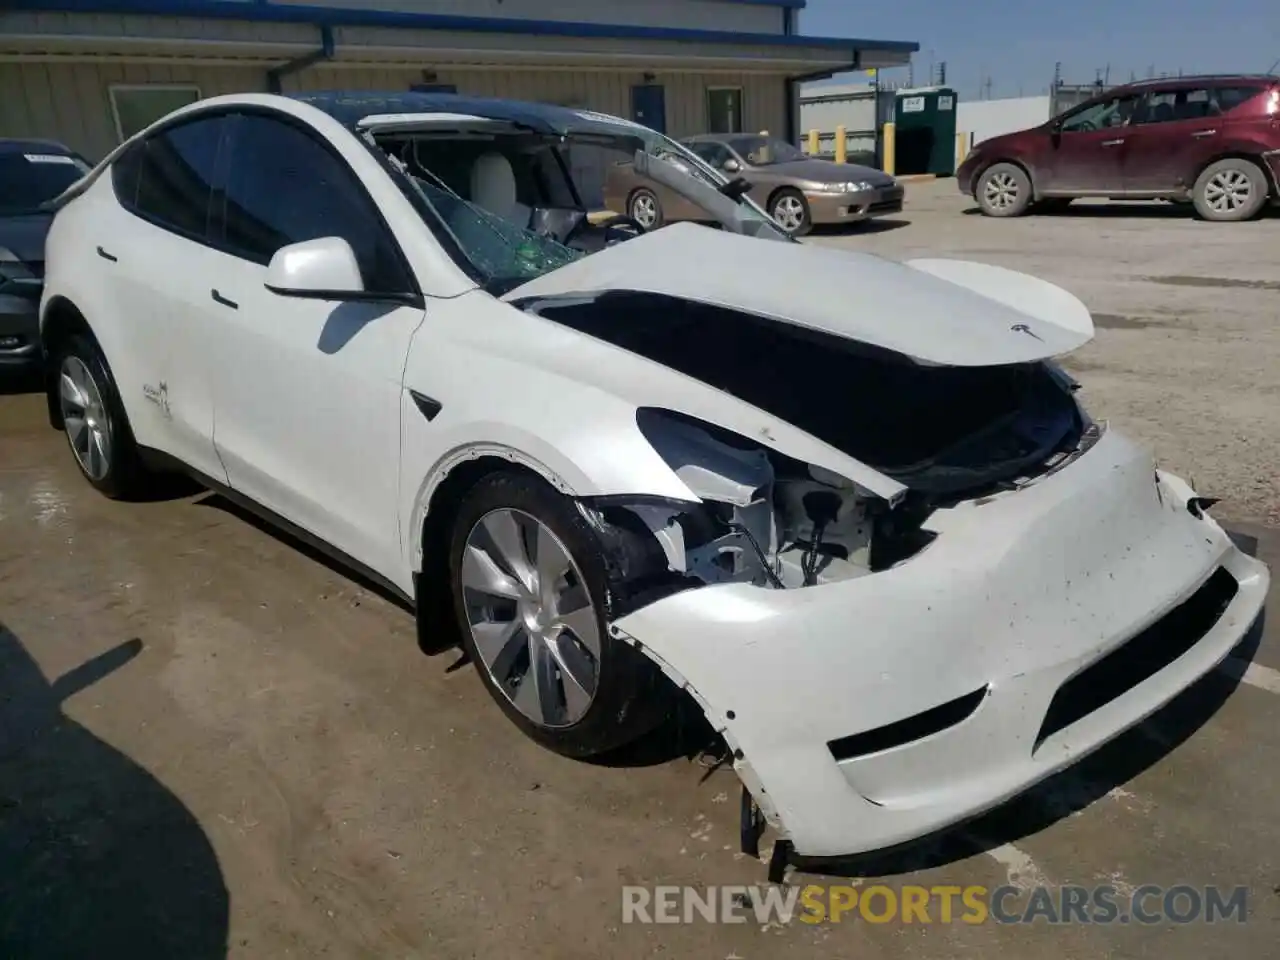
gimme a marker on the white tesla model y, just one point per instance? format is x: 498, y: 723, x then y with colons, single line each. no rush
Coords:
x: 850, y: 506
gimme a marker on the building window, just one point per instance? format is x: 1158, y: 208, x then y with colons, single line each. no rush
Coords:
x: 724, y: 110
x: 137, y: 107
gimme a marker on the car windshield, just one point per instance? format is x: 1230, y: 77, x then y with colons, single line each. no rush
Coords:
x: 517, y: 204
x: 29, y: 179
x: 765, y: 151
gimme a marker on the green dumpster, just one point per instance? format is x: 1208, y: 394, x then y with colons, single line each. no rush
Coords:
x: 926, y: 131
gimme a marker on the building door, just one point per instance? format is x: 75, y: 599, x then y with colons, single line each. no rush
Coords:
x: 649, y: 106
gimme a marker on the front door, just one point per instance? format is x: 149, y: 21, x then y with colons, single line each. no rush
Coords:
x: 649, y: 106
x: 1086, y: 155
x: 308, y: 391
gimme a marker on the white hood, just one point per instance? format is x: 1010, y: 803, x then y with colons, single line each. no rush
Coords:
x: 947, y: 312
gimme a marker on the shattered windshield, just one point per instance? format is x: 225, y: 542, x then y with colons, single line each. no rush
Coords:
x: 517, y: 204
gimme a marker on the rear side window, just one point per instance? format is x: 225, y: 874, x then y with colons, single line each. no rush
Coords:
x: 168, y: 178
x: 284, y: 186
x: 1231, y: 97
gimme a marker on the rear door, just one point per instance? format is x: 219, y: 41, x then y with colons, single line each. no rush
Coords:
x: 157, y: 257
x: 308, y: 390
x: 1086, y: 154
x: 1172, y: 134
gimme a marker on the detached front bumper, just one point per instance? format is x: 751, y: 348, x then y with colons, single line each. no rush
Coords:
x: 829, y: 208
x: 871, y: 712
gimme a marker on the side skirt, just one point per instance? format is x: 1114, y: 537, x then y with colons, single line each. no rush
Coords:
x: 165, y: 463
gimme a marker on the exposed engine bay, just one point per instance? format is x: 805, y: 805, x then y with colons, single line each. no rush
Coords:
x: 949, y: 434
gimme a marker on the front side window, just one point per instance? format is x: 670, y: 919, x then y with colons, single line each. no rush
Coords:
x: 284, y: 186
x: 35, y: 176
x: 1114, y: 112
x: 168, y: 177
x: 724, y: 110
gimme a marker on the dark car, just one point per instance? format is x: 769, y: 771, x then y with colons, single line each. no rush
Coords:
x: 797, y: 190
x: 32, y: 172
x: 1212, y: 141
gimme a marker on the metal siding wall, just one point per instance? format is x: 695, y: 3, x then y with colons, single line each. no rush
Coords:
x: 70, y: 101
x: 985, y: 119
x: 764, y: 97
x: 689, y: 14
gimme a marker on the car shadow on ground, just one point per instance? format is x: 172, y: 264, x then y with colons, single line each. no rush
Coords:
x: 15, y: 382
x: 97, y: 857
x: 865, y: 227
x: 1063, y: 794
x: 1126, y: 209
x: 218, y: 502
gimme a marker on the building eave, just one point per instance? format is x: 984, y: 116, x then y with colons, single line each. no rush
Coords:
x: 335, y: 17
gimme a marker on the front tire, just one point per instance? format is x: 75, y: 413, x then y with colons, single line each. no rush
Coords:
x: 1004, y: 190
x: 791, y: 212
x: 1230, y: 190
x: 529, y: 585
x: 94, y: 421
x: 645, y: 208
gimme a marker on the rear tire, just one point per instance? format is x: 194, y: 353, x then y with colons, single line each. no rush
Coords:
x: 529, y: 585
x: 1230, y: 190
x: 1004, y: 190
x: 95, y: 422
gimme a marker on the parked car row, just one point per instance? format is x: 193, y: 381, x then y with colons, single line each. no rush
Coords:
x: 32, y: 173
x: 856, y: 531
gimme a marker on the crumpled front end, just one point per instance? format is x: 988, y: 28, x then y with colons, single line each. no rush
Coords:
x: 1023, y: 630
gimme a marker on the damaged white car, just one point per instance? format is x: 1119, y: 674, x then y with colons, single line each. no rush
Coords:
x: 850, y: 506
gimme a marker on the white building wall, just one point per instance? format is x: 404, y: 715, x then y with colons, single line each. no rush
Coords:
x: 71, y: 101
x: 984, y: 119
x: 685, y: 14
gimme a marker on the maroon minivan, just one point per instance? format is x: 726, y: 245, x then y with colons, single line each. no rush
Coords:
x: 1212, y: 141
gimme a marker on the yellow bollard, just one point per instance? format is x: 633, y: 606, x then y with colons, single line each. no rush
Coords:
x: 890, y: 147
x: 813, y: 143
x: 842, y: 146
x: 962, y: 148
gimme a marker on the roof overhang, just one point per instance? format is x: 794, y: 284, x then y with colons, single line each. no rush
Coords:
x: 236, y: 32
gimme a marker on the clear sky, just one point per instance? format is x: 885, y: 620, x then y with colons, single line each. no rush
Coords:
x: 1016, y: 45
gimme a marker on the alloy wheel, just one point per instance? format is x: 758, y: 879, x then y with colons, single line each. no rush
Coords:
x: 1000, y: 191
x: 1228, y: 191
x: 644, y: 210
x: 789, y: 212
x: 532, y: 619
x: 84, y: 417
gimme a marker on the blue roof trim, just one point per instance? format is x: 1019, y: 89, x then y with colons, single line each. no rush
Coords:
x: 341, y: 17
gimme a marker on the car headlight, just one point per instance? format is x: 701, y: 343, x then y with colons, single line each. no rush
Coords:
x: 852, y: 186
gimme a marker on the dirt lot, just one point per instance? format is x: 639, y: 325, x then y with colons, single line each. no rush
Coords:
x: 212, y: 743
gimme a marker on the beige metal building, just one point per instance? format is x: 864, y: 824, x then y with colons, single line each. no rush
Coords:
x: 88, y: 72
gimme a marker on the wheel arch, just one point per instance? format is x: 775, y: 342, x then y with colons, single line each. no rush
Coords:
x: 60, y: 320
x: 438, y: 505
x: 1239, y: 151
x: 779, y: 190
x: 1022, y: 165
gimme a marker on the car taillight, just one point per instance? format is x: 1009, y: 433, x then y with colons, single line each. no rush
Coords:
x: 1273, y: 102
